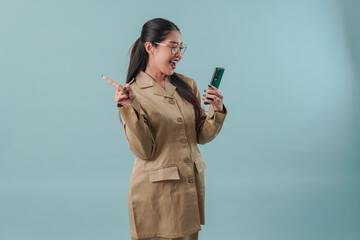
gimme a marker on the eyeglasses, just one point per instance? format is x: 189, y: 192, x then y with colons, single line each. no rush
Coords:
x: 175, y: 48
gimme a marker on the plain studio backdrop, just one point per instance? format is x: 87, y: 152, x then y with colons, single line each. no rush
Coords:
x: 286, y: 162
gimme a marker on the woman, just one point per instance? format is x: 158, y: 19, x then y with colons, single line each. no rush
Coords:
x: 164, y: 120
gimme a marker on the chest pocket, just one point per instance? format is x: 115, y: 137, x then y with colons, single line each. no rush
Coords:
x: 159, y: 110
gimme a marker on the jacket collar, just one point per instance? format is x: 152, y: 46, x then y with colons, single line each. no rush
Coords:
x: 143, y: 80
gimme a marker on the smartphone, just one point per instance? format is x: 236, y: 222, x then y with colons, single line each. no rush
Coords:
x: 216, y: 78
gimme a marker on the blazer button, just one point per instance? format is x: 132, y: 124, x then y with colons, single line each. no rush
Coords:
x: 171, y: 101
x: 190, y: 180
x: 187, y: 160
x: 183, y: 140
x: 179, y: 119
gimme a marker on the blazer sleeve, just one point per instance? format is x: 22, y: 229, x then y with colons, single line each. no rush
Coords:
x: 209, y: 125
x: 137, y: 129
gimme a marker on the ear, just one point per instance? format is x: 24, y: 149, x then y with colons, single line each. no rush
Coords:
x: 149, y: 48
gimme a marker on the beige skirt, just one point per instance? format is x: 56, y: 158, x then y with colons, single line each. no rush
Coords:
x: 193, y: 236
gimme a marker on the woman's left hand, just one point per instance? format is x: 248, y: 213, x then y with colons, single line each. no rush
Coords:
x: 215, y: 94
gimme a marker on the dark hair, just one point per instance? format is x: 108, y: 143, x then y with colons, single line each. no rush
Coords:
x: 156, y: 30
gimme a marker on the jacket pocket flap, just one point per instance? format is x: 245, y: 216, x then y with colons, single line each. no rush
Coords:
x: 200, y: 164
x: 166, y: 173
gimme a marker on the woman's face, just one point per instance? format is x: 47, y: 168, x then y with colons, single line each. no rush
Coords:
x: 163, y: 58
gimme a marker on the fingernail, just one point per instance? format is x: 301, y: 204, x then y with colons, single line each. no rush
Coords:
x: 209, y: 85
x: 124, y: 88
x: 205, y: 90
x: 102, y: 75
x: 128, y: 96
x: 204, y: 95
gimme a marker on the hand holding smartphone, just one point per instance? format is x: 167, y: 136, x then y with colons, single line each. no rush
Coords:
x: 216, y: 79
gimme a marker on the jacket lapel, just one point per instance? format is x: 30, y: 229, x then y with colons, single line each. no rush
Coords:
x: 169, y: 87
x: 143, y: 80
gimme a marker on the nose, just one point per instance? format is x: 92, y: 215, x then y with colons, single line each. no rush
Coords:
x: 179, y: 54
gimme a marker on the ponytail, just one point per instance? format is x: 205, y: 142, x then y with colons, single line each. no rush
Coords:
x: 138, y: 59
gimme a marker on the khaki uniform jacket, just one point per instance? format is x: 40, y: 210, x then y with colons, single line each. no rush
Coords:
x: 166, y: 192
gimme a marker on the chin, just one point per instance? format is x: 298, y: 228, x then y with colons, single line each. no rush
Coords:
x: 171, y: 72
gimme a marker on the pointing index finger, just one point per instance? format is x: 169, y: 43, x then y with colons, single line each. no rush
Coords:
x: 115, y: 84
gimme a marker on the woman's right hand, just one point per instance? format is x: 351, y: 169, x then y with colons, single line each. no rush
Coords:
x: 123, y: 94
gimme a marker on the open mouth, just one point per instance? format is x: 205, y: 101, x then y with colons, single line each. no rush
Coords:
x: 173, y: 64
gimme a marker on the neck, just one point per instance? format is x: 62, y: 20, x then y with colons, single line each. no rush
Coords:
x: 158, y: 76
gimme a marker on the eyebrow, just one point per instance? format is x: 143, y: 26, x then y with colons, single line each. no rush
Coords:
x: 176, y: 42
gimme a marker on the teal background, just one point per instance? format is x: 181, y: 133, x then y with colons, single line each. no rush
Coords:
x: 285, y: 165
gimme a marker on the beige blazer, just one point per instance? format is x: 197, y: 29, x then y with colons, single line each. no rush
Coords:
x: 166, y: 192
